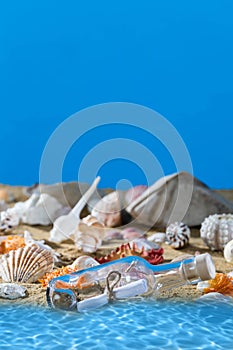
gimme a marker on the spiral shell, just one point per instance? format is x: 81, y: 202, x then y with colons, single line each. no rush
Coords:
x: 88, y: 235
x: 26, y: 264
x: 217, y: 230
x: 177, y: 235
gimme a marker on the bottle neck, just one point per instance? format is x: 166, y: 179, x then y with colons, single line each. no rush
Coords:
x: 163, y: 268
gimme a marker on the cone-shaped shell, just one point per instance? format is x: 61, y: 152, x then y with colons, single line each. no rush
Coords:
x: 26, y: 264
x: 217, y: 230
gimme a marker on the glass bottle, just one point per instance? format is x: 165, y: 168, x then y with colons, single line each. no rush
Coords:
x: 124, y: 278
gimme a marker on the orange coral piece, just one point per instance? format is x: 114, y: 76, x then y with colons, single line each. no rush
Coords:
x: 81, y: 284
x: 153, y: 256
x: 64, y: 270
x: 221, y: 284
x: 11, y: 243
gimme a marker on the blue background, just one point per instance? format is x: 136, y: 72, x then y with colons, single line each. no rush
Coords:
x: 59, y: 57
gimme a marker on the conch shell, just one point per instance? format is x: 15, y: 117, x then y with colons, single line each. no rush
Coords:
x: 217, y: 230
x: 26, y: 264
x: 39, y: 209
x: 65, y: 225
x: 153, y: 256
x: 88, y: 235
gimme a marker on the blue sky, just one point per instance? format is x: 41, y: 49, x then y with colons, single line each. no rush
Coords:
x: 172, y: 56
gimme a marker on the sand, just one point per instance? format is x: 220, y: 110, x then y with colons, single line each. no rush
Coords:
x: 68, y: 252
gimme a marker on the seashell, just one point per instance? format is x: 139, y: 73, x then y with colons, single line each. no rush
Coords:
x: 153, y: 256
x: 157, y: 237
x: 177, y: 197
x: 26, y: 264
x: 108, y: 210
x: 113, y: 234
x: 37, y: 210
x: 67, y: 193
x: 3, y: 205
x: 65, y: 225
x: 177, y: 235
x: 30, y: 241
x: 14, y: 242
x: 88, y: 235
x: 144, y: 243
x: 228, y: 252
x: 12, y: 291
x: 217, y: 230
x: 81, y: 263
x: 131, y: 233
x: 133, y: 193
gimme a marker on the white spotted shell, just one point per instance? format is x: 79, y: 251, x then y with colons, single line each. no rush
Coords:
x: 217, y: 230
x: 26, y: 264
x: 177, y: 235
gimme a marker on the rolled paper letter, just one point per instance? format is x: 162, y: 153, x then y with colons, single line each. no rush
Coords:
x: 131, y: 290
x: 92, y: 303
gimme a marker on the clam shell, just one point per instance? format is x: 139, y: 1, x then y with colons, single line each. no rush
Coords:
x: 217, y: 230
x: 228, y: 252
x: 26, y: 264
x: 177, y: 197
x: 177, y: 235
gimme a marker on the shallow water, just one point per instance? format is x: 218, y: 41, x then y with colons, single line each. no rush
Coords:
x: 141, y: 324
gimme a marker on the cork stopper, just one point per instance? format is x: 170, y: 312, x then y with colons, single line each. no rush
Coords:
x: 205, y: 266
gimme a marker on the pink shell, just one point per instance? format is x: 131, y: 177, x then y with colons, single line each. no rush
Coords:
x: 134, y: 193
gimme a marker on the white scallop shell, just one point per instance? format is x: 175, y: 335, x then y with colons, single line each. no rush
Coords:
x: 228, y: 252
x: 217, y: 230
x: 177, y: 235
x: 26, y: 264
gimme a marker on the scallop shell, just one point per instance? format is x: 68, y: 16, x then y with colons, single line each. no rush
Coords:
x: 26, y: 264
x: 228, y: 252
x: 217, y: 230
x: 177, y: 235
